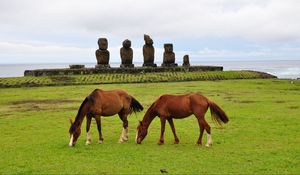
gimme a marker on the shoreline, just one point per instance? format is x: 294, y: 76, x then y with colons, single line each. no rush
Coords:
x: 283, y: 69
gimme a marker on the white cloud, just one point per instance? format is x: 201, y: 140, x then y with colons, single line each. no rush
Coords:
x: 53, y: 30
x: 253, y: 19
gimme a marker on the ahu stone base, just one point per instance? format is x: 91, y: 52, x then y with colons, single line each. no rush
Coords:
x: 127, y: 70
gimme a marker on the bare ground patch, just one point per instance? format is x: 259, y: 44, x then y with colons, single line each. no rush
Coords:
x: 40, y: 105
x: 46, y: 101
x: 245, y: 101
x: 280, y: 101
x: 294, y: 107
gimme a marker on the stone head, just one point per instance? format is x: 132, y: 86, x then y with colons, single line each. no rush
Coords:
x: 127, y: 43
x: 102, y: 42
x: 168, y: 47
x: 148, y: 40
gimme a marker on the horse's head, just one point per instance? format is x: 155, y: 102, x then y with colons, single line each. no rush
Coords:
x: 74, y: 133
x: 140, y: 133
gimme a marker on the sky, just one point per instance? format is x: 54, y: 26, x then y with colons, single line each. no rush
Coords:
x: 66, y: 31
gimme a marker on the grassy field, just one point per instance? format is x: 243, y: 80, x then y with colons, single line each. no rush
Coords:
x: 262, y: 136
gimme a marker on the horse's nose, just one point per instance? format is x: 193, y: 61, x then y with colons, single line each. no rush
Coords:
x: 138, y: 141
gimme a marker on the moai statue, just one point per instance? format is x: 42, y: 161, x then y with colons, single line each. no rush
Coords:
x: 102, y: 54
x: 148, y: 52
x: 169, y: 56
x: 126, y: 54
x: 186, y: 60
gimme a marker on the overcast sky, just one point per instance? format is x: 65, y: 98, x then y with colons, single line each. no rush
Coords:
x: 66, y: 31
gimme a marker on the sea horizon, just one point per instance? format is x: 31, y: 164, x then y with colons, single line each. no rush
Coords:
x: 283, y: 69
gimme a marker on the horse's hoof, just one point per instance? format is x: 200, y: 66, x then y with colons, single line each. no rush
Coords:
x: 87, y: 143
x: 208, y: 145
x: 121, y: 141
x: 199, y: 144
x: 176, y: 142
x: 160, y: 142
x: 100, y: 141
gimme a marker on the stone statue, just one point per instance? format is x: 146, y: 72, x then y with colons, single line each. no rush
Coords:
x: 148, y: 52
x: 102, y: 54
x: 169, y: 56
x: 186, y: 60
x: 126, y: 54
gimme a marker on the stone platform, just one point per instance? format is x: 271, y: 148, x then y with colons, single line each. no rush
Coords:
x: 136, y: 70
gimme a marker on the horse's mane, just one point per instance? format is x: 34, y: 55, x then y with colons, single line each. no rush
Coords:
x: 79, y: 117
x: 150, y: 112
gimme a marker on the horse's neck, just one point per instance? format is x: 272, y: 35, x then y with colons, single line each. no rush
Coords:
x: 81, y: 113
x: 149, y: 116
x: 79, y: 118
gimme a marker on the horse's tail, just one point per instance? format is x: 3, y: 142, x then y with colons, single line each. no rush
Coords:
x: 135, y: 105
x: 217, y: 114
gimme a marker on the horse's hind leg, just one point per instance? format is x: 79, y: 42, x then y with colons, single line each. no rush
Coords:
x: 98, y: 121
x: 209, y: 139
x: 204, y: 125
x: 124, y: 134
x: 170, y: 120
x: 88, y: 126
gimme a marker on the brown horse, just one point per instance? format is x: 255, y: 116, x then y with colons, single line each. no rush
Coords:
x: 168, y: 107
x: 103, y: 103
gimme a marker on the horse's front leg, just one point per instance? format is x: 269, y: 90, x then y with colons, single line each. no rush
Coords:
x: 170, y: 120
x: 162, y: 131
x: 88, y: 126
x: 98, y: 121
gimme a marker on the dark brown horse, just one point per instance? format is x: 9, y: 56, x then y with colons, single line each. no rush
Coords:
x: 103, y: 103
x: 168, y: 107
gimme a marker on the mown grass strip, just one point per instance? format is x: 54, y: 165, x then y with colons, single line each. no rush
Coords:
x: 61, y: 80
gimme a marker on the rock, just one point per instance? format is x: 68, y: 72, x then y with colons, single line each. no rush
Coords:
x: 148, y: 52
x: 76, y: 66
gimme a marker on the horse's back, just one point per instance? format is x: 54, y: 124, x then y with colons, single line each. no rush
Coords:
x: 199, y: 103
x: 174, y: 105
x: 107, y: 93
x: 109, y: 102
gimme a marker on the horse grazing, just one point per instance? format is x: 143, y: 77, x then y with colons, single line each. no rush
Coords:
x: 168, y: 107
x: 103, y: 103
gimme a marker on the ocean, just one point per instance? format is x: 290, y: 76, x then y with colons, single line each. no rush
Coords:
x: 283, y: 69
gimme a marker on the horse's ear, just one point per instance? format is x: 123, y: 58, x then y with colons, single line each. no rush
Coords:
x: 71, y: 121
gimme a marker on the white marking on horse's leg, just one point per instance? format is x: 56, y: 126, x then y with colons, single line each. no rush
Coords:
x: 71, y: 141
x: 123, y: 136
x: 100, y: 141
x: 136, y: 136
x: 88, y: 138
x: 209, y: 140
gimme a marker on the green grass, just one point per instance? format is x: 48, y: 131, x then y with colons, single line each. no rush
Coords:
x: 31, y: 81
x: 262, y: 136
